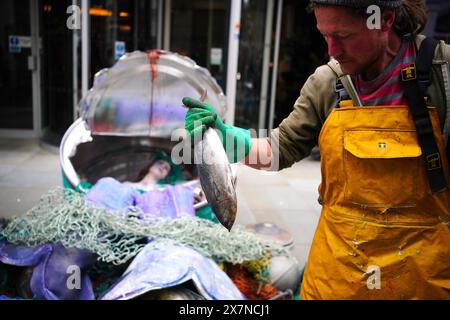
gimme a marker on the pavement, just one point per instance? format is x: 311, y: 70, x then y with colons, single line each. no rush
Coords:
x: 287, y: 198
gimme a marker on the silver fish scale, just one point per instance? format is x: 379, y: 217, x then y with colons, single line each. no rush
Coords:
x: 216, y: 177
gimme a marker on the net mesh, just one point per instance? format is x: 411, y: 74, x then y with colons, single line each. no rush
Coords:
x: 62, y: 215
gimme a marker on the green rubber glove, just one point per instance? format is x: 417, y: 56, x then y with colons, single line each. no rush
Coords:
x: 200, y: 116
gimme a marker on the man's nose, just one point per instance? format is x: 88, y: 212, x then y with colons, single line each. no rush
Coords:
x: 335, y: 48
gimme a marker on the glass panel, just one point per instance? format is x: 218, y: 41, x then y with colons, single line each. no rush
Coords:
x: 302, y: 50
x: 146, y: 22
x: 443, y: 23
x: 199, y: 30
x: 251, y: 49
x: 131, y: 22
x: 56, y: 70
x: 16, y: 105
x: 443, y: 26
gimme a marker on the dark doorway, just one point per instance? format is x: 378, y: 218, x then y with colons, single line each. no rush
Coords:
x: 16, y: 103
x: 302, y: 50
x: 199, y: 30
x: 56, y: 70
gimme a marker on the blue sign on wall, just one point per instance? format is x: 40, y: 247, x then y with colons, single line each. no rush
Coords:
x: 119, y: 49
x: 14, y: 44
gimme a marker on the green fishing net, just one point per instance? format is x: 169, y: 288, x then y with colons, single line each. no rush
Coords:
x: 62, y: 215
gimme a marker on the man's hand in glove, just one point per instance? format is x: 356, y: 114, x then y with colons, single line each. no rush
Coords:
x: 200, y: 116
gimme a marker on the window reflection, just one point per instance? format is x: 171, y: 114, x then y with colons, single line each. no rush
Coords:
x: 127, y: 21
x: 251, y: 49
x: 199, y: 30
x: 302, y: 50
x: 16, y: 111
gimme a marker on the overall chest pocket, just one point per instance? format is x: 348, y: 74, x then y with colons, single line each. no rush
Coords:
x: 381, y: 167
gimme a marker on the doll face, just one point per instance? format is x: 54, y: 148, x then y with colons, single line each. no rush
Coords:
x: 160, y: 169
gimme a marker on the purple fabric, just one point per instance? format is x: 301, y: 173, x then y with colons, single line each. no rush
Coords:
x: 111, y: 194
x: 171, y: 202
x: 23, y: 256
x: 51, y: 273
x: 168, y: 202
x: 172, y: 265
x: 131, y: 113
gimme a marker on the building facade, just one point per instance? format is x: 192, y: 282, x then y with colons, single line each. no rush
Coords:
x: 259, y: 51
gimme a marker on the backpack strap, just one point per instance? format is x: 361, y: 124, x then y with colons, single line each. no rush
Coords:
x: 416, y: 79
x: 344, y: 84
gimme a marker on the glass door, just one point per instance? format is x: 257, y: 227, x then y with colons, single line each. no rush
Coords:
x: 302, y: 49
x: 16, y: 90
x: 119, y: 26
x: 251, y: 80
x: 199, y: 30
x: 57, y: 63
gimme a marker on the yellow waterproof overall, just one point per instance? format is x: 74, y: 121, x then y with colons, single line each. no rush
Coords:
x: 381, y: 234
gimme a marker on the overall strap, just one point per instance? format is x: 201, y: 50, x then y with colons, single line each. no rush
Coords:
x: 344, y: 85
x: 416, y: 79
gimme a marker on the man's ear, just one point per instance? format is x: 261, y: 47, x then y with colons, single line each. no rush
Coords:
x: 387, y: 20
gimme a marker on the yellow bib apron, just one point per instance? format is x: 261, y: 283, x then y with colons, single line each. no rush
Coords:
x: 381, y: 234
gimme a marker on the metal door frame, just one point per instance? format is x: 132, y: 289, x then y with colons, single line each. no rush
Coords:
x: 233, y: 58
x: 276, y: 54
x: 268, y: 88
x: 263, y: 100
x: 85, y: 47
x: 167, y: 23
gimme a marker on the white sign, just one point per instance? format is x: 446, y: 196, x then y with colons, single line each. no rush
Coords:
x: 216, y: 56
x: 16, y: 43
x: 119, y: 49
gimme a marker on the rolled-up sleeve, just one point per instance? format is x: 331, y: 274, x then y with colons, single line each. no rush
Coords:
x: 298, y: 133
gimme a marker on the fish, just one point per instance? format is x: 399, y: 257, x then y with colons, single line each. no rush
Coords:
x: 216, y: 177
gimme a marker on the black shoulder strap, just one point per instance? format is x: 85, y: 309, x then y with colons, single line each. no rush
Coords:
x: 341, y: 92
x: 424, y: 62
x: 416, y: 79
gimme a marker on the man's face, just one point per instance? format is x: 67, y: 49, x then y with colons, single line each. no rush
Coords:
x: 349, y: 40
